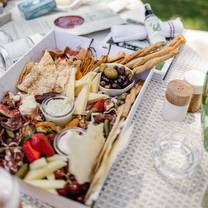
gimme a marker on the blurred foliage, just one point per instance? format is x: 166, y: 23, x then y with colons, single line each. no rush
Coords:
x: 194, y: 13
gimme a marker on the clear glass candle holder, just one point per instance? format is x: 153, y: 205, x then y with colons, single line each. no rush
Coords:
x: 176, y: 153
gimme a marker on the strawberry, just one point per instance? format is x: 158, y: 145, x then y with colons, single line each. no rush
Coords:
x: 99, y: 106
x: 40, y: 143
x: 30, y: 153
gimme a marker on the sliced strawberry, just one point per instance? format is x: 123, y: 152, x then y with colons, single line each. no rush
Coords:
x: 99, y: 106
x: 30, y: 153
x: 41, y: 143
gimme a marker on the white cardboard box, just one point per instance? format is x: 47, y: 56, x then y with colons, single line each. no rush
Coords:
x: 59, y: 40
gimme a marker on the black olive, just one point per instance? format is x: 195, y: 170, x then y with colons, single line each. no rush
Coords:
x: 103, y: 83
x: 104, y: 78
x: 130, y: 77
x: 120, y: 81
x: 115, y: 86
x: 121, y: 70
x: 122, y: 77
x: 126, y: 83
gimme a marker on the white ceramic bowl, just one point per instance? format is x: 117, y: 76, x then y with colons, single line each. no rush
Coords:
x: 116, y: 92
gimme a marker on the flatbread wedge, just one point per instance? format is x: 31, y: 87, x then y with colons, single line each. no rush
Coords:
x: 109, y: 158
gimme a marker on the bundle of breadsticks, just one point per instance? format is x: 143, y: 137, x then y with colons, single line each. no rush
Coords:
x: 147, y: 58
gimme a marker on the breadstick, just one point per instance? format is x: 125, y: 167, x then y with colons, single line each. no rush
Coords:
x: 139, y: 61
x: 151, y: 63
x: 142, y: 52
x: 176, y: 42
x: 130, y: 98
x: 116, y: 57
x: 103, y: 59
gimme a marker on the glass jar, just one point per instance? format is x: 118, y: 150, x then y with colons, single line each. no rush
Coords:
x: 58, y: 109
x: 60, y: 141
x: 7, y: 53
x: 9, y: 192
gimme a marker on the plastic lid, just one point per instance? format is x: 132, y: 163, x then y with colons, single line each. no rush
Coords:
x: 196, y: 79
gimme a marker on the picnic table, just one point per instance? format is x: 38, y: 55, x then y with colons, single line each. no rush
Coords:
x: 133, y: 181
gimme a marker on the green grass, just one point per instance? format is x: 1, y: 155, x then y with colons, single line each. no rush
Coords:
x: 194, y: 13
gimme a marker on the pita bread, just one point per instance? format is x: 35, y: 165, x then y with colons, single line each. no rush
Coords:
x: 111, y: 138
x: 41, y: 78
x: 26, y: 70
x: 109, y: 158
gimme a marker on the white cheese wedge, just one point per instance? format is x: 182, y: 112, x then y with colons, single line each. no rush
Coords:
x: 93, y: 97
x: 81, y: 101
x: 95, y: 83
x: 70, y: 87
x: 87, y: 79
x: 28, y: 105
x: 83, y: 151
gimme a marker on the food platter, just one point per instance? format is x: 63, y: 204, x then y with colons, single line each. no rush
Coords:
x: 104, y: 121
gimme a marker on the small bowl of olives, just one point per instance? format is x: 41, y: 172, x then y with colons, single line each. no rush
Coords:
x: 115, y: 79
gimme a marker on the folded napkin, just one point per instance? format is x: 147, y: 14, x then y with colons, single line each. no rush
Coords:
x: 121, y: 33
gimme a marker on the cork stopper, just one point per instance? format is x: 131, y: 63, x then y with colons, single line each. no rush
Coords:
x: 179, y: 92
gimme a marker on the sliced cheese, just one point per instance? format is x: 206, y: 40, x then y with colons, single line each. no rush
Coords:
x: 81, y: 101
x: 87, y: 79
x: 95, y: 83
x: 93, y: 97
x: 83, y: 151
x: 70, y: 87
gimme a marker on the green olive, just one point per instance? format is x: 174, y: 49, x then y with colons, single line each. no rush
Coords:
x: 110, y: 73
x: 127, y: 72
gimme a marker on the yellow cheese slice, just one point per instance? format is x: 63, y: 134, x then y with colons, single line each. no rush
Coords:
x: 95, y: 83
x: 81, y: 101
x: 70, y: 87
x: 87, y: 79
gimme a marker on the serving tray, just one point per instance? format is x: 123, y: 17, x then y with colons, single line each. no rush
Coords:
x: 59, y: 40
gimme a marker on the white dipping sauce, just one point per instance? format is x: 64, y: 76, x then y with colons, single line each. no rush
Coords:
x: 58, y: 109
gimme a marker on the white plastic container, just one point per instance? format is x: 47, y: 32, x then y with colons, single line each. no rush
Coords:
x: 9, y: 192
x: 12, y: 51
x: 177, y: 98
x: 196, y: 79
